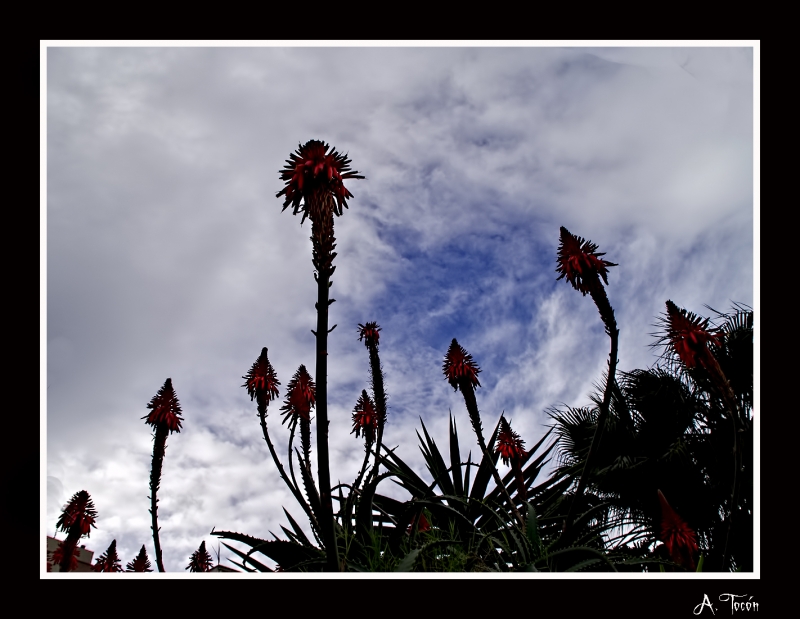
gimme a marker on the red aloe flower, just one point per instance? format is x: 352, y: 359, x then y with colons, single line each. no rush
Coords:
x: 423, y: 526
x: 458, y: 366
x: 679, y: 539
x: 509, y: 445
x: 365, y: 418
x: 300, y: 396
x: 79, y: 515
x: 140, y: 564
x: 580, y: 262
x: 165, y: 409
x: 689, y: 336
x: 370, y: 333
x: 108, y: 561
x: 262, y: 381
x: 312, y: 174
x: 58, y: 557
x: 200, y: 561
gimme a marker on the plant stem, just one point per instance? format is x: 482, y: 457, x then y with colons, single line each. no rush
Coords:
x: 607, y: 314
x: 159, y: 448
x: 472, y: 408
x: 262, y: 414
x: 323, y: 465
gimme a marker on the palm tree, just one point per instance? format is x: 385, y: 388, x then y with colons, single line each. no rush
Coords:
x: 680, y: 430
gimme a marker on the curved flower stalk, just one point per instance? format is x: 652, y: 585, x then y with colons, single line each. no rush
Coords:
x: 677, y: 536
x: 462, y: 373
x: 141, y: 563
x: 261, y: 382
x: 200, y: 561
x: 109, y: 561
x: 580, y: 263
x: 76, y: 520
x: 314, y: 178
x: 300, y: 399
x: 512, y: 449
x: 165, y: 418
x: 370, y: 334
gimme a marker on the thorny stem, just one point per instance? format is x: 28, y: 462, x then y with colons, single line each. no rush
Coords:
x: 472, y: 408
x: 159, y: 448
x: 600, y: 299
x: 262, y: 415
x: 376, y: 373
x: 323, y: 244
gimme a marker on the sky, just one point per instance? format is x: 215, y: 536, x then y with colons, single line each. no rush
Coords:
x: 168, y: 255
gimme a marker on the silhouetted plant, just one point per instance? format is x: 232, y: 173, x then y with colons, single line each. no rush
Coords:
x: 76, y: 520
x: 200, y: 561
x: 579, y: 261
x: 462, y: 374
x: 141, y: 563
x: 165, y: 418
x: 314, y: 185
x: 108, y: 561
x: 370, y: 334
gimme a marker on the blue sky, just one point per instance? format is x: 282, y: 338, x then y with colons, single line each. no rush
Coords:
x: 168, y: 254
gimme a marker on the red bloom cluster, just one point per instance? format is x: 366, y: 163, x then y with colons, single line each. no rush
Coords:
x: 423, y: 526
x: 301, y: 396
x: 108, y: 561
x: 370, y: 333
x: 580, y: 262
x: 140, y: 564
x: 459, y: 366
x: 365, y: 418
x: 165, y: 409
x: 311, y: 172
x: 679, y: 539
x: 58, y: 556
x: 689, y: 336
x: 509, y: 445
x: 79, y: 512
x: 200, y: 561
x: 262, y: 381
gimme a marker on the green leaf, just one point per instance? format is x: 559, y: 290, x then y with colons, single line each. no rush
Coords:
x: 407, y: 563
x: 455, y: 459
x: 247, y: 559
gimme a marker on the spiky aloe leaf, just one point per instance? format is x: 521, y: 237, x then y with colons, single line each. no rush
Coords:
x: 435, y: 462
x: 532, y: 531
x: 246, y: 558
x: 455, y: 459
x: 409, y: 480
x: 297, y: 530
x: 407, y: 563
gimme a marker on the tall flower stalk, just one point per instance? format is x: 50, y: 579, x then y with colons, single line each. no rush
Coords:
x: 512, y: 450
x: 165, y: 418
x: 314, y: 178
x: 370, y: 334
x: 580, y: 263
x: 261, y: 382
x: 76, y: 520
x: 300, y: 399
x: 462, y: 374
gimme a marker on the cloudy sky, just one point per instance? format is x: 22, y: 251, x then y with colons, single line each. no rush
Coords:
x: 168, y: 254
